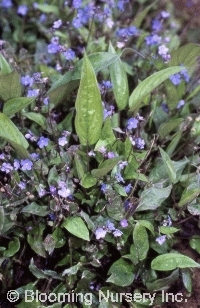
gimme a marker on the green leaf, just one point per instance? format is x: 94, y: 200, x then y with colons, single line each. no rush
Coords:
x: 142, y: 14
x: 59, y: 237
x: 40, y: 274
x: 168, y: 230
x: 88, y: 180
x: 80, y: 166
x: 146, y: 86
x: 48, y: 9
x: 10, y: 86
x: 121, y: 273
x: 13, y: 247
x: 77, y: 227
x: 166, y: 128
x: 72, y: 270
x: 195, y: 243
x: 14, y: 105
x: 153, y: 197
x: 69, y: 81
x: 19, y: 149
x: 120, y: 190
x: 35, y: 240
x: 105, y: 167
x: 187, y: 279
x: 170, y: 261
x: 163, y: 283
x: 36, y: 117
x: 10, y: 132
x: 168, y: 165
x: 173, y: 144
x: 107, y: 132
x: 188, y: 196
x: 148, y: 225
x: 186, y: 55
x: 2, y: 216
x: 35, y: 209
x: 89, y: 110
x: 4, y: 66
x: 119, y: 81
x: 140, y: 240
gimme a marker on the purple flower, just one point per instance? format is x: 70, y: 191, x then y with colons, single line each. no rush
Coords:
x: 110, y: 226
x: 27, y: 81
x: 69, y: 54
x: 152, y: 39
x: 22, y: 10
x: 121, y: 4
x: 132, y: 30
x: 6, y: 4
x: 104, y: 188
x: 34, y: 156
x: 139, y: 143
x: 2, y: 156
x: 42, y: 192
x: 165, y: 14
x: 175, y: 79
x: 57, y: 24
x: 106, y: 84
x: 63, y: 191
x: 124, y: 223
x: 111, y: 155
x: 62, y: 141
x: 26, y: 164
x: 53, y: 48
x: 77, y: 4
x: 43, y: 142
x: 161, y: 239
x: 33, y: 92
x: 6, y: 167
x: 52, y: 189
x: 128, y: 188
x: 185, y: 75
x: 180, y: 104
x: 117, y: 233
x: 16, y: 164
x: 132, y: 123
x: 100, y: 233
x: 119, y: 178
x: 156, y: 25
x: 22, y: 185
x: 162, y: 50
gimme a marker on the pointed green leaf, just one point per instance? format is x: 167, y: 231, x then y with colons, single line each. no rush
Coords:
x: 170, y: 261
x: 142, y: 14
x: 14, y: 105
x: 107, y: 132
x: 43, y: 274
x: 88, y: 180
x: 188, y: 196
x: 153, y: 197
x: 10, y: 132
x: 168, y: 165
x: 4, y: 66
x: 13, y: 247
x: 105, y: 167
x: 35, y: 209
x: 140, y: 240
x: 168, y: 230
x: 163, y: 282
x: 10, y: 86
x: 121, y: 273
x: 22, y: 152
x: 166, y: 128
x: 77, y: 227
x: 186, y: 55
x: 2, y: 217
x: 48, y: 8
x: 119, y: 81
x: 69, y: 81
x: 146, y: 86
x: 89, y: 110
x: 36, y: 117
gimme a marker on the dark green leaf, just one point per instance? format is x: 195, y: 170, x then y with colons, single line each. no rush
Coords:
x: 36, y: 117
x: 170, y: 261
x: 14, y: 105
x: 4, y: 66
x: 77, y: 227
x: 35, y: 209
x: 168, y: 165
x: 121, y: 273
x: 105, y: 167
x: 89, y: 110
x: 88, y: 180
x: 166, y: 128
x: 188, y: 196
x: 13, y: 247
x: 10, y: 86
x: 140, y: 240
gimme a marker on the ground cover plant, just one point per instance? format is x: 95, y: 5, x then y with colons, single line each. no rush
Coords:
x: 99, y: 155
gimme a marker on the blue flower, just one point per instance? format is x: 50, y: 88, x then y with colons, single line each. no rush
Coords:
x: 153, y: 39
x: 77, y: 4
x: 22, y: 10
x: 117, y: 233
x: 53, y: 48
x: 69, y: 54
x: 139, y: 142
x: 128, y: 188
x: 124, y: 223
x: 62, y: 141
x: 175, y: 79
x: 156, y: 25
x: 110, y: 226
x: 26, y: 164
x: 27, y: 80
x: 180, y: 104
x: 57, y: 24
x: 6, y: 167
x: 6, y: 4
x: 43, y: 142
x: 132, y: 123
x: 33, y: 92
x: 100, y: 233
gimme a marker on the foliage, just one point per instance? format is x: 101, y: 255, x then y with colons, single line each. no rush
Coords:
x: 99, y: 164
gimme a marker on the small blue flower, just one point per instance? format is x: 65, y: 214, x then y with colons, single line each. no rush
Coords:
x: 26, y: 164
x: 33, y: 92
x: 156, y: 25
x: 180, y: 104
x: 27, y: 80
x: 22, y: 185
x: 16, y: 164
x: 132, y: 123
x: 104, y: 188
x: 110, y: 226
x: 6, y: 4
x: 153, y: 39
x: 161, y: 239
x: 22, y: 10
x: 62, y: 141
x: 128, y: 188
x: 57, y: 24
x: 100, y: 233
x: 175, y: 79
x: 124, y: 223
x: 43, y: 142
x: 6, y: 167
x: 77, y: 4
x: 119, y: 178
x: 53, y: 48
x: 117, y: 233
x: 139, y: 142
x: 69, y: 54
